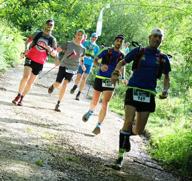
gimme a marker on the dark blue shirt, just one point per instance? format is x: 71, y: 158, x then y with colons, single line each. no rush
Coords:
x: 145, y: 76
x: 114, y: 58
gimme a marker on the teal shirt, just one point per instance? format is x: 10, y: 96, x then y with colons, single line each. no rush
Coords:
x: 91, y: 51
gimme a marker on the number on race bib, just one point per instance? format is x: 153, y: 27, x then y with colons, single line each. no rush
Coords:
x: 141, y: 96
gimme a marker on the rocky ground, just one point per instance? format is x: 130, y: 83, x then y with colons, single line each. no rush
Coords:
x: 39, y: 144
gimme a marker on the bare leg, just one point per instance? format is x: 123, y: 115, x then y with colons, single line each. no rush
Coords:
x: 78, y: 78
x: 129, y: 118
x: 29, y: 84
x: 83, y: 82
x: 141, y: 121
x: 95, y: 100
x: 25, y: 78
x: 105, y: 101
x: 62, y: 89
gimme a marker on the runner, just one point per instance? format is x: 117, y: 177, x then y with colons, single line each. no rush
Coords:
x: 73, y: 56
x: 148, y: 65
x: 110, y: 57
x: 92, y: 49
x: 42, y: 44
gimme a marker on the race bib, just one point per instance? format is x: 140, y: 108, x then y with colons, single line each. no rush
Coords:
x: 141, y: 96
x: 107, y: 83
x: 70, y: 71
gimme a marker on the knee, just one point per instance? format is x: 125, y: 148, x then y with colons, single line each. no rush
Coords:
x: 84, y: 78
x: 25, y: 77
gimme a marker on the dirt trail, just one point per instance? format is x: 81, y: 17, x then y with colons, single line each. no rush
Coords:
x: 38, y: 144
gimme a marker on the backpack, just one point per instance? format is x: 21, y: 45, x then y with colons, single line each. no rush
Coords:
x: 107, y: 58
x: 137, y: 62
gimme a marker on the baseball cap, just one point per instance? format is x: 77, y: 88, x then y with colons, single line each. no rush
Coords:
x: 94, y: 35
x: 50, y: 21
x: 119, y: 36
x: 157, y: 31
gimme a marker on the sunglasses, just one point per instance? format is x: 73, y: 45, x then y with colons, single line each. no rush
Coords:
x: 156, y: 35
x: 49, y: 24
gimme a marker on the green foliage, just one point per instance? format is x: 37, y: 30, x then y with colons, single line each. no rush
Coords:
x: 176, y: 149
x: 39, y: 162
x: 11, y: 45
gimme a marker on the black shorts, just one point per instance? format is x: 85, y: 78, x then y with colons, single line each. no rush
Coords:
x: 36, y: 67
x: 140, y: 106
x: 62, y: 74
x: 98, y: 86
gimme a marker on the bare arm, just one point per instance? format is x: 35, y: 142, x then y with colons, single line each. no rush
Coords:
x: 166, y: 85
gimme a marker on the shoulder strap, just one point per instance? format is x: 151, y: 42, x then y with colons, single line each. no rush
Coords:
x: 161, y: 65
x: 137, y: 61
x: 50, y: 41
x: 37, y: 36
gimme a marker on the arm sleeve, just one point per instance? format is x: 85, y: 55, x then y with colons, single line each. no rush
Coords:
x: 131, y: 55
x: 102, y: 54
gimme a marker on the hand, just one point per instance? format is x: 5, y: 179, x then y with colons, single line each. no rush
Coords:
x: 125, y: 82
x: 104, y: 68
x: 163, y: 95
x: 49, y: 49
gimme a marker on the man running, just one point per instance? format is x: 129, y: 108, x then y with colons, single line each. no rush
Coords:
x: 42, y: 44
x: 110, y: 57
x: 148, y: 66
x: 92, y: 49
x: 73, y: 56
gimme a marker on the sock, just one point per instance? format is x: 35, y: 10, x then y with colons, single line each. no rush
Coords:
x: 58, y: 102
x: 90, y: 111
x: 121, y: 152
x: 21, y: 99
x: 74, y: 87
x: 124, y: 142
x: 19, y: 94
x: 78, y: 94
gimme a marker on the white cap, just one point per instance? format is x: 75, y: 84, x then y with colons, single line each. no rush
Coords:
x: 157, y: 31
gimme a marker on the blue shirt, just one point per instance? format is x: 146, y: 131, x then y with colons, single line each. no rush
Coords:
x: 145, y: 76
x: 92, y: 49
x: 114, y: 58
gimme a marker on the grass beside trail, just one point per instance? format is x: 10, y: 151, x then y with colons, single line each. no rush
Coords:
x: 170, y: 130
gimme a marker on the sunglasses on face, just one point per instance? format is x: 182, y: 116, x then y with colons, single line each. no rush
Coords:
x: 157, y: 36
x: 49, y: 24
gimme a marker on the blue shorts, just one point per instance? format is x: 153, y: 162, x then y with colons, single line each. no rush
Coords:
x: 88, y: 69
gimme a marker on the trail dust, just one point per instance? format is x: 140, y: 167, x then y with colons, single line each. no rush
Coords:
x: 38, y: 144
